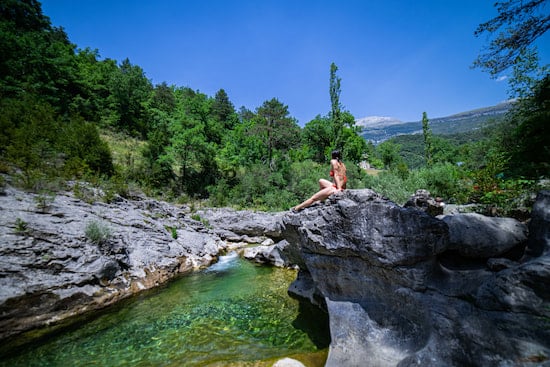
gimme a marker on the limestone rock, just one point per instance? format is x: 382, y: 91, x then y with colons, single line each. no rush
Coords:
x: 422, y: 200
x: 244, y: 222
x: 50, y: 270
x: 479, y: 236
x: 288, y: 362
x: 393, y: 301
x: 267, y: 254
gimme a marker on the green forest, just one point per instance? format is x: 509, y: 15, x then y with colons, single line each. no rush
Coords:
x: 69, y: 115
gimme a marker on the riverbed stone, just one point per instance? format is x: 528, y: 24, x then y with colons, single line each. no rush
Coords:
x: 288, y: 362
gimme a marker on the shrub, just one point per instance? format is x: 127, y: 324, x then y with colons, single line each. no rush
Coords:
x: 97, y: 232
x: 44, y: 200
x: 21, y: 226
x: 447, y: 181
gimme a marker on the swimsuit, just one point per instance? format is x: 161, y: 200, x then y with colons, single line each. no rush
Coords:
x: 345, y: 179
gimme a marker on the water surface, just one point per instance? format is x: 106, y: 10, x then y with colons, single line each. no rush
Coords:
x: 233, y: 314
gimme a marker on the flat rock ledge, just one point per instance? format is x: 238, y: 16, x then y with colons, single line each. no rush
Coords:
x: 404, y: 288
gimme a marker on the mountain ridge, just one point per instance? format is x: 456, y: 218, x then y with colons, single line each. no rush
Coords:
x: 380, y: 128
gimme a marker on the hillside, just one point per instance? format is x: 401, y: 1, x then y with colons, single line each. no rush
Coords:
x: 379, y: 129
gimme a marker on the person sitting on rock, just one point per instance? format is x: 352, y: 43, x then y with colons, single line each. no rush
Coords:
x: 327, y: 188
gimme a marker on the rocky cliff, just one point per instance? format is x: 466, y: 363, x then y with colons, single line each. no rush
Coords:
x: 403, y: 288
x: 52, y: 267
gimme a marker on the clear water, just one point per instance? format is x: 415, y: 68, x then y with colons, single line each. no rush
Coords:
x: 232, y: 314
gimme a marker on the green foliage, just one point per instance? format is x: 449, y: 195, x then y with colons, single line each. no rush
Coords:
x: 44, y: 200
x: 190, y: 146
x: 80, y: 141
x: 528, y: 138
x: 113, y: 186
x: 318, y: 135
x: 427, y: 132
x: 97, y: 232
x: 513, y: 31
x: 447, y: 181
x: 443, y: 180
x: 198, y: 218
x: 389, y: 153
x: 335, y: 114
x: 173, y: 231
x: 277, y: 130
x: 21, y: 226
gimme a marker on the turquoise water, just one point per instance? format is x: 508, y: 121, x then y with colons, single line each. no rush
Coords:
x: 232, y: 314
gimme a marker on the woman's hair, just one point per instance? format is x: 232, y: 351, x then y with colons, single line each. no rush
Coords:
x: 337, y: 155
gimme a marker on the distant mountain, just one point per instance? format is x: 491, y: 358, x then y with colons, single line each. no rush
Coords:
x: 378, y: 129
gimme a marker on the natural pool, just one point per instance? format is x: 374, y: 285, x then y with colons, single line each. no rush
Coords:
x: 233, y: 314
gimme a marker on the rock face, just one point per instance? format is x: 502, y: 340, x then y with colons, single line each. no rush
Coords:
x: 50, y: 270
x: 398, y: 294
x: 478, y: 236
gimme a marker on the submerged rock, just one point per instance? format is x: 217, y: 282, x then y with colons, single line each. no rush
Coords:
x: 397, y: 293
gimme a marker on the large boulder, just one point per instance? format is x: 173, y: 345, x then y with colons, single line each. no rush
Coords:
x: 478, y: 236
x: 394, y: 299
x: 231, y: 223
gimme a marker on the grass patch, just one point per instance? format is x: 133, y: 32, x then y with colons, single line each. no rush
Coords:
x: 126, y: 150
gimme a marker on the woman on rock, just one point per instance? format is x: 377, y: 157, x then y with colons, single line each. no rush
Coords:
x: 327, y: 188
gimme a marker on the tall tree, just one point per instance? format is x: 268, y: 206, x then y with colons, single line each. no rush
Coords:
x: 335, y: 114
x: 163, y: 98
x: 526, y: 138
x: 427, y: 132
x: 223, y: 110
x: 130, y: 90
x: 279, y: 130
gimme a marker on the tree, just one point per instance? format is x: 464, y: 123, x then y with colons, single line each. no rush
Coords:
x: 519, y: 23
x: 163, y: 98
x: 428, y: 147
x: 130, y: 89
x: 318, y: 135
x: 223, y: 110
x: 335, y: 114
x: 529, y: 136
x: 278, y: 129
x: 389, y: 153
x: 36, y: 57
x: 525, y: 138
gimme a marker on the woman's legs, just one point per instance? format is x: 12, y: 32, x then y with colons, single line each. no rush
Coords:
x: 323, y: 184
x: 320, y: 195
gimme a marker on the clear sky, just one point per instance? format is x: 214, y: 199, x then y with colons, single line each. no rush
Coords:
x: 396, y: 58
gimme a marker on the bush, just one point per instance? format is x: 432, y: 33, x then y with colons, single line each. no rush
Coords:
x: 44, y: 200
x: 97, y: 232
x: 447, y: 181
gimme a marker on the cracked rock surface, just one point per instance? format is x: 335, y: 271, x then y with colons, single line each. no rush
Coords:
x: 401, y: 290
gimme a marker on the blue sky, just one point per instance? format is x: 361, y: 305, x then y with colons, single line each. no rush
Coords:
x: 396, y: 58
